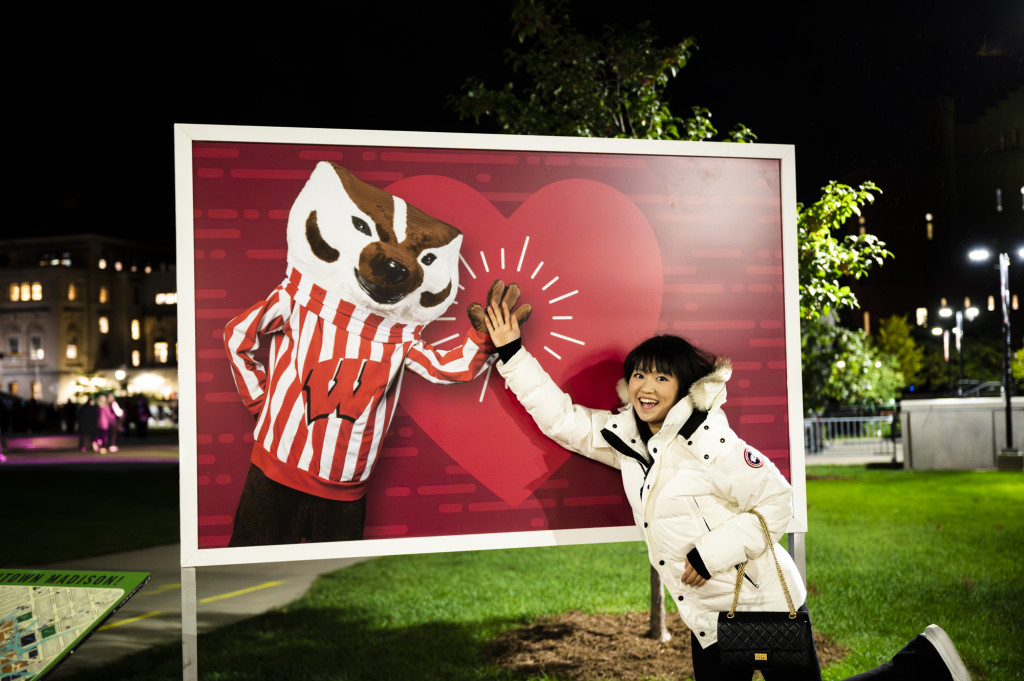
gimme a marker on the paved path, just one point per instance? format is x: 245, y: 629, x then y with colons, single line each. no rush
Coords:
x: 225, y: 594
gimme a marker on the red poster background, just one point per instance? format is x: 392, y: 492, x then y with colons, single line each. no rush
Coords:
x: 608, y: 248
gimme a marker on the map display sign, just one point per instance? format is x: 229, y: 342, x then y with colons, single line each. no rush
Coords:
x: 46, y: 614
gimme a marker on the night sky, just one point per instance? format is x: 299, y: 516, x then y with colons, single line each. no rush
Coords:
x: 850, y: 84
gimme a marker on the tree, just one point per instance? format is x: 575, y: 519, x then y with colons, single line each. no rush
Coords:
x: 840, y: 367
x: 611, y: 85
x: 1017, y: 366
x: 895, y: 338
x: 825, y: 259
x: 983, y: 362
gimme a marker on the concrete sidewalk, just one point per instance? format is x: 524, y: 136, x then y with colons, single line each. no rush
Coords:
x: 49, y: 449
x: 225, y: 594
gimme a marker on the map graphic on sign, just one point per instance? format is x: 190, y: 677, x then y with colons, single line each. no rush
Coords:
x: 46, y: 614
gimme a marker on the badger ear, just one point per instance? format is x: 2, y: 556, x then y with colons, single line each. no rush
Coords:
x: 326, y: 176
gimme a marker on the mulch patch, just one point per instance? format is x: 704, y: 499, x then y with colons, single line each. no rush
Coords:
x: 581, y: 647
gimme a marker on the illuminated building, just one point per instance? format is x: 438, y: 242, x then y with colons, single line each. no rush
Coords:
x: 76, y: 309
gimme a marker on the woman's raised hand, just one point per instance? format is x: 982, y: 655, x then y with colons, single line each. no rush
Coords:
x: 501, y: 318
x: 502, y: 325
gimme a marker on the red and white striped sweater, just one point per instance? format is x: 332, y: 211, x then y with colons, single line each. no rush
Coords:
x: 334, y: 375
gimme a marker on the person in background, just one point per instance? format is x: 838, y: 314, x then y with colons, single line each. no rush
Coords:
x: 106, y: 422
x: 115, y: 428
x: 88, y: 418
x: 142, y: 415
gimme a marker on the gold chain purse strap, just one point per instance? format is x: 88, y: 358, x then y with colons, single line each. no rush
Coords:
x: 782, y: 580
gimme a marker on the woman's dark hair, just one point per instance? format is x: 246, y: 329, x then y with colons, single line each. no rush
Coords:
x: 670, y: 355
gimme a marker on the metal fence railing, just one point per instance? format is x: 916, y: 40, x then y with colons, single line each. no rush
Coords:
x: 850, y: 435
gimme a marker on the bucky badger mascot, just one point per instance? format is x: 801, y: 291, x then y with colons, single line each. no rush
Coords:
x: 366, y: 272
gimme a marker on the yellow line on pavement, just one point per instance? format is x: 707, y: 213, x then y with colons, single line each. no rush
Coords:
x: 160, y: 589
x: 130, y: 620
x: 210, y: 599
x: 232, y: 594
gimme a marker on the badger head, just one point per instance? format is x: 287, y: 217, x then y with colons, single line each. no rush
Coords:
x: 372, y: 249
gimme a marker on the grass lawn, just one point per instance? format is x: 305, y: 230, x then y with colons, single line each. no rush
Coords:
x: 888, y: 552
x: 69, y: 512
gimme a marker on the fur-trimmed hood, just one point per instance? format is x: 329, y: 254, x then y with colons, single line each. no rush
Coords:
x: 705, y: 392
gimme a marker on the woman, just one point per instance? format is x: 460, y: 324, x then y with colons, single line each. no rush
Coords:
x: 690, y: 481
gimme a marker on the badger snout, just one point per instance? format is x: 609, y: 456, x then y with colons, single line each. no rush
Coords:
x: 388, y: 273
x: 395, y: 272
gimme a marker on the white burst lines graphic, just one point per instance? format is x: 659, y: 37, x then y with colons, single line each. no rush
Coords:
x: 553, y: 303
x: 555, y: 288
x: 468, y: 268
x: 445, y: 340
x: 487, y: 377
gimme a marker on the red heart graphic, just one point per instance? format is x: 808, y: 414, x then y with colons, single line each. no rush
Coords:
x: 588, y: 262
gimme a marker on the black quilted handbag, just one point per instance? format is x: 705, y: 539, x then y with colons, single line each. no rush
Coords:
x: 765, y: 640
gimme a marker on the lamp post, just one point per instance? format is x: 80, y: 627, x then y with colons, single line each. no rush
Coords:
x: 968, y: 313
x: 1010, y: 458
x: 951, y: 325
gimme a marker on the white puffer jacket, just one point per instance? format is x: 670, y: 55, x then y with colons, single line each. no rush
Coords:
x: 686, y: 491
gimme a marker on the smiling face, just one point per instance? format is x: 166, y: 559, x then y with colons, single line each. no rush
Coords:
x: 652, y: 394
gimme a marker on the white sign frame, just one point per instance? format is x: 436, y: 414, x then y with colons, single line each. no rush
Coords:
x: 186, y: 134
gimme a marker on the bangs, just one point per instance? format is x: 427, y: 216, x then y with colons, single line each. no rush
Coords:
x: 653, y: 363
x: 669, y: 355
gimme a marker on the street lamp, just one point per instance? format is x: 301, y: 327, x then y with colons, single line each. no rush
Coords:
x: 970, y: 313
x: 1010, y: 458
x: 951, y: 324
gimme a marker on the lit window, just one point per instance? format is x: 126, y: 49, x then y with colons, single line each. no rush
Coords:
x: 167, y: 298
x: 15, y: 294
x: 104, y: 325
x: 922, y: 316
x: 26, y: 291
x: 103, y: 263
x: 37, y: 390
x: 72, y: 291
x: 12, y: 387
x: 136, y: 358
x: 135, y: 329
x: 118, y: 266
x: 35, y: 347
x: 14, y: 345
x: 71, y: 352
x: 104, y: 294
x: 160, y: 351
x: 37, y: 291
